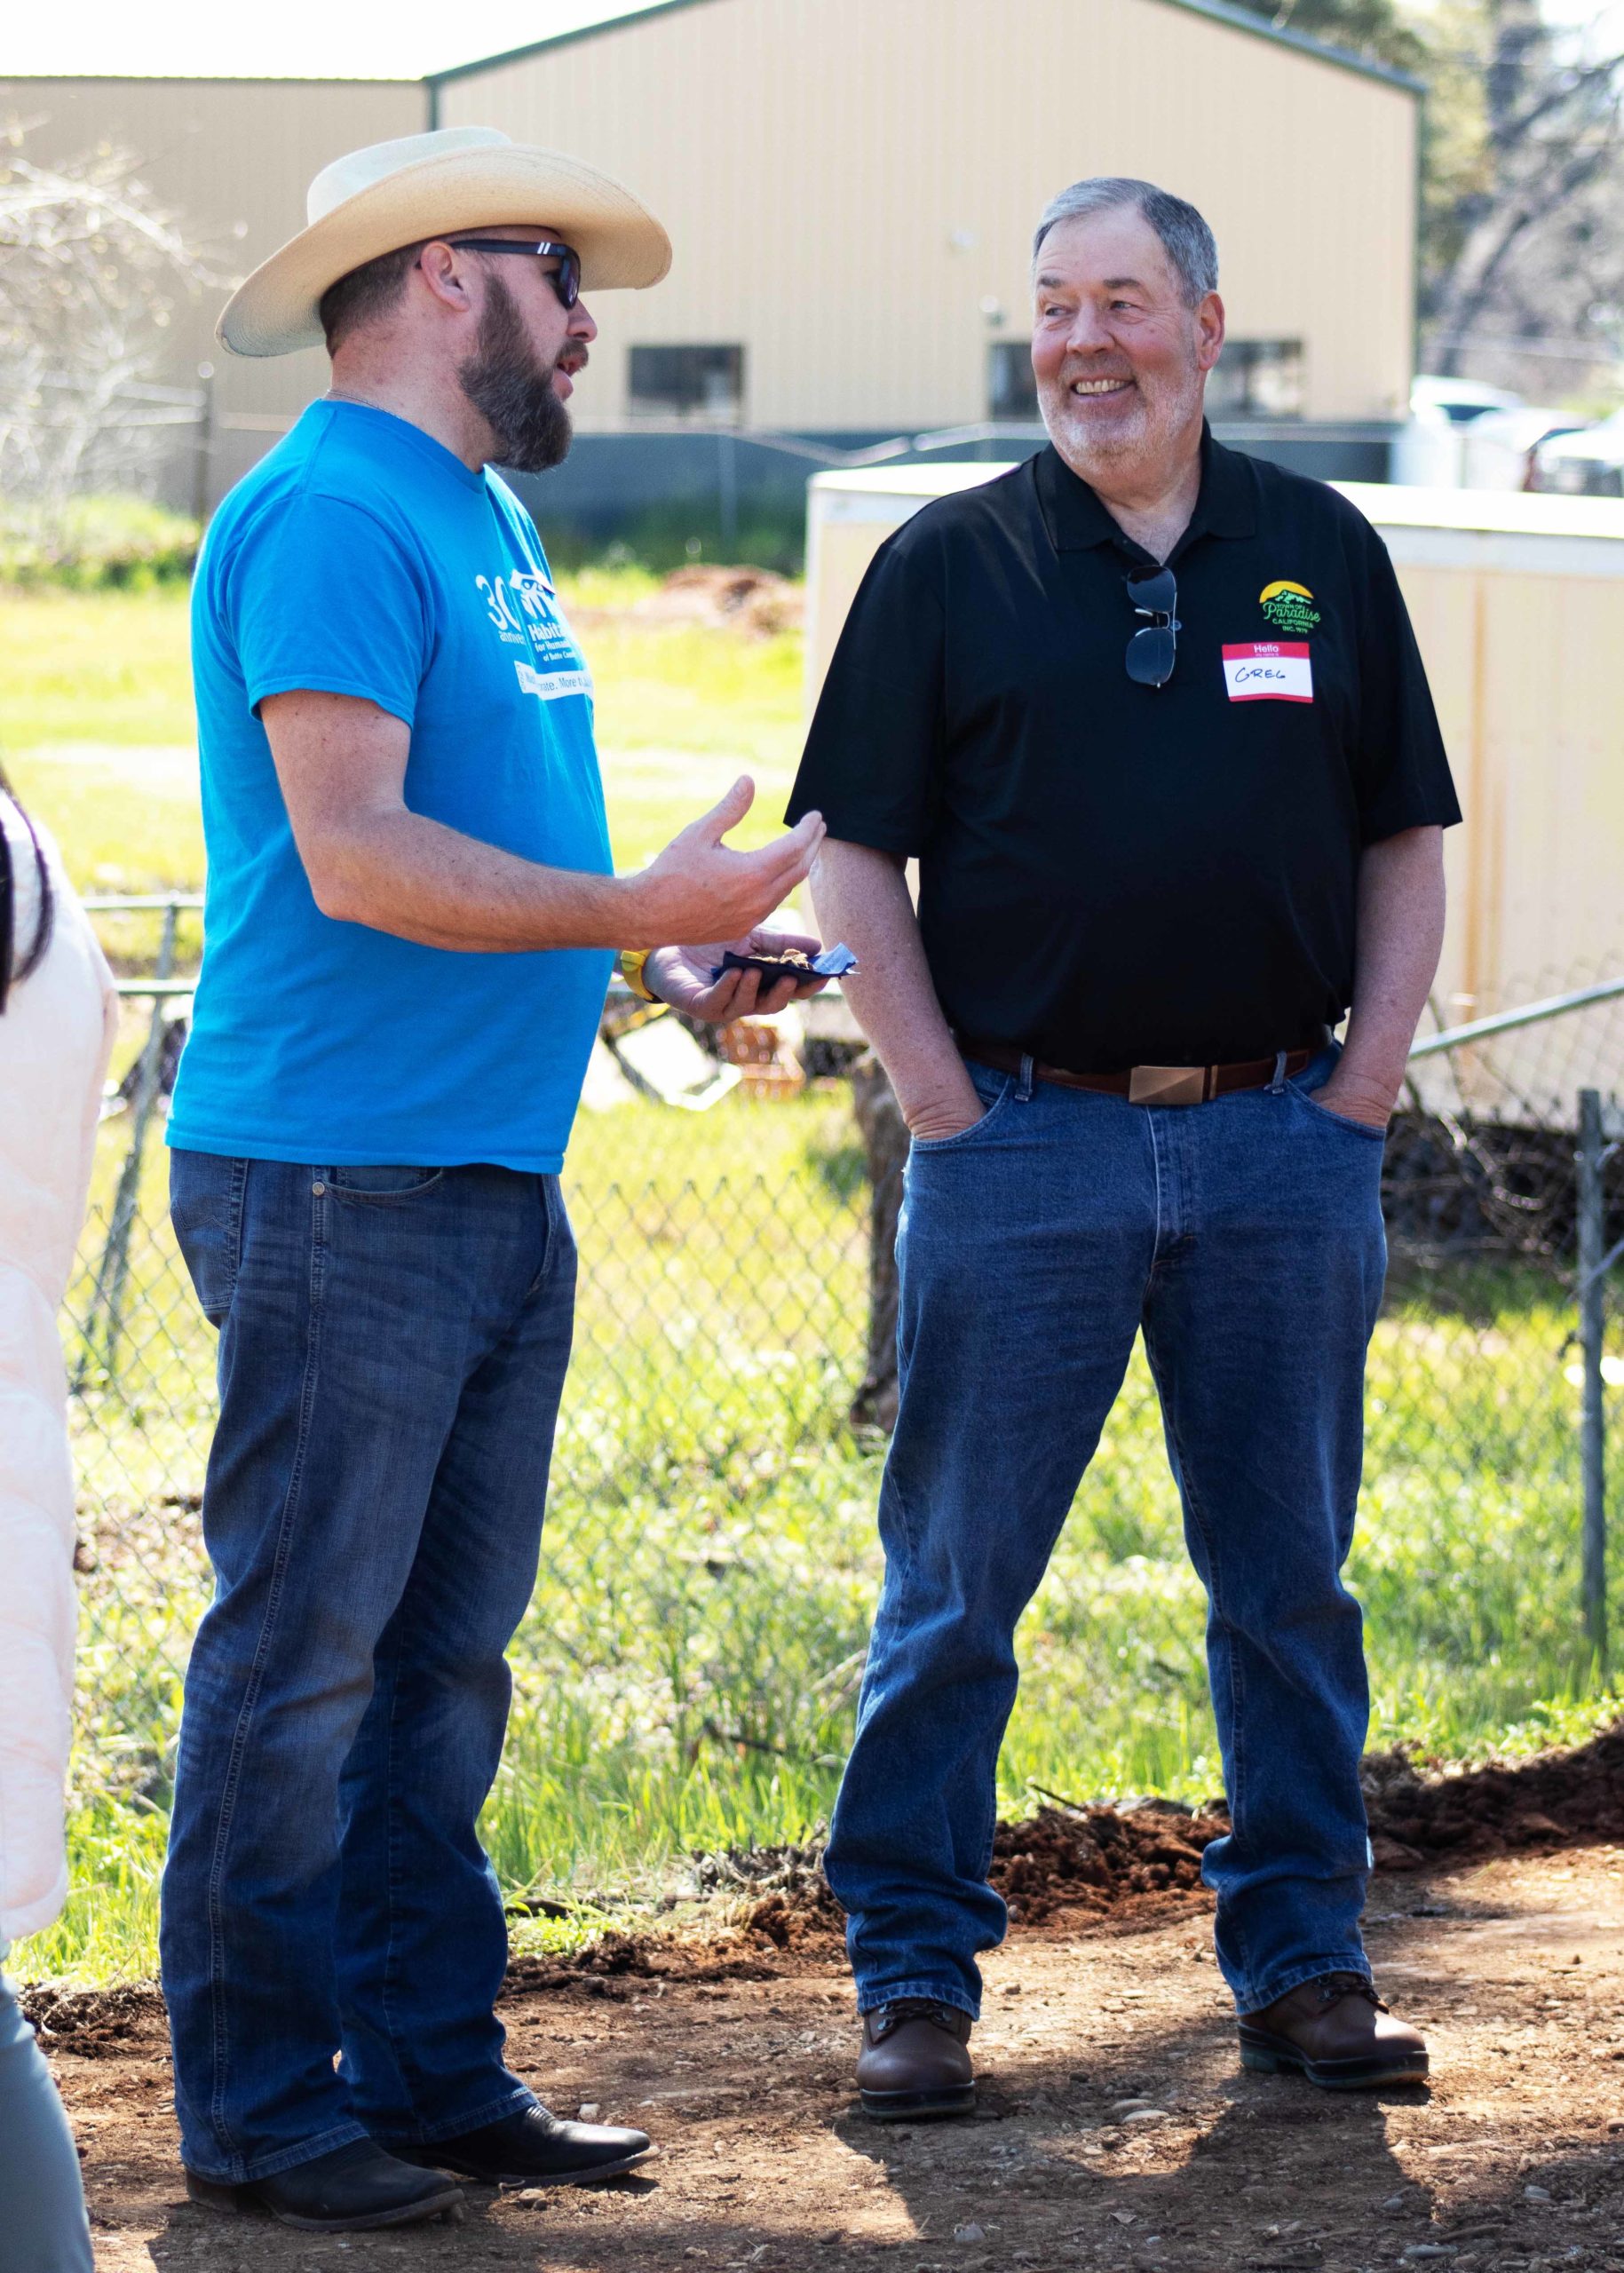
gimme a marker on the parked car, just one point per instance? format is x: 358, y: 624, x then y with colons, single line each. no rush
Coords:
x: 1586, y: 464
x: 1497, y: 450
x: 1428, y: 450
x: 1458, y: 402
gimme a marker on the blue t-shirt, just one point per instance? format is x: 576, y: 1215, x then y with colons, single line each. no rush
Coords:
x: 363, y: 558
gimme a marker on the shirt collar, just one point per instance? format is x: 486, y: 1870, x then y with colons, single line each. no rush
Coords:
x: 402, y: 433
x: 1076, y: 520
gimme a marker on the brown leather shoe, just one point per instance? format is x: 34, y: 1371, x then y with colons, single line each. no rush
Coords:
x: 915, y: 2062
x: 1337, y: 2033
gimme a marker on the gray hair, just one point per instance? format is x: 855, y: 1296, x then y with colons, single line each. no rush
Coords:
x: 1185, y: 238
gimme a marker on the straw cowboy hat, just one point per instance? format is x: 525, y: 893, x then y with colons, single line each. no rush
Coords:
x: 427, y: 185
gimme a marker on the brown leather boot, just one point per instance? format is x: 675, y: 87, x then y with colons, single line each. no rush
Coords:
x: 1337, y: 2033
x: 915, y: 2062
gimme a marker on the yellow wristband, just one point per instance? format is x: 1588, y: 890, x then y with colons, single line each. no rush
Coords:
x: 633, y: 960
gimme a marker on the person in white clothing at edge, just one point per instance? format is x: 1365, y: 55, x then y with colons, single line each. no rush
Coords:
x: 57, y: 1018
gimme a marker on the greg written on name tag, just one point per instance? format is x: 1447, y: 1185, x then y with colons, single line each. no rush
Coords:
x: 1267, y: 671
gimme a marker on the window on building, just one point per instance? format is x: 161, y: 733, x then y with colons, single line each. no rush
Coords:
x: 1256, y: 378
x: 688, y: 382
x: 1011, y: 391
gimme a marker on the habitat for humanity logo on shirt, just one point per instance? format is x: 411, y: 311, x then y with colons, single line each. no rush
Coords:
x: 521, y: 605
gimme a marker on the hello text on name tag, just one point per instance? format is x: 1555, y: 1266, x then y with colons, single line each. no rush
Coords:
x: 1269, y: 671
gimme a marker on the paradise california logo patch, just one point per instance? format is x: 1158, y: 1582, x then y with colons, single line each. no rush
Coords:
x: 1289, y: 607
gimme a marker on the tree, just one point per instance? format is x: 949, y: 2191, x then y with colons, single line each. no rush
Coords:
x: 1522, y: 236
x: 1375, y: 30
x: 90, y: 266
x: 1523, y: 260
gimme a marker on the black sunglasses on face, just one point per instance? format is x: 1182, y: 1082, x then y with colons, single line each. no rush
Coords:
x: 565, y: 280
x: 1154, y: 647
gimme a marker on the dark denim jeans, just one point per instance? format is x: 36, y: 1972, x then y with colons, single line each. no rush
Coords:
x: 392, y: 1345
x: 1245, y: 1237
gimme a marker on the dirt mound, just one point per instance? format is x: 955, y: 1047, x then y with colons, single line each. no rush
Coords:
x: 1144, y: 1857
x: 1104, y: 1859
x: 1133, y: 1864
x: 1555, y: 1799
x: 790, y: 1904
x: 97, y: 2023
x: 755, y: 599
x: 1064, y: 1858
x: 1100, y: 1858
x: 607, y: 1957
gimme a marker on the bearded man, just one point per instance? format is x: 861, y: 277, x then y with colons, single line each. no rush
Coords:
x: 1150, y: 716
x: 411, y: 917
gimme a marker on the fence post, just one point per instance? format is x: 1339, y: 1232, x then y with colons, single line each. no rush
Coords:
x: 112, y: 1279
x: 727, y: 491
x: 1592, y: 1314
x: 203, y: 452
x: 884, y: 1134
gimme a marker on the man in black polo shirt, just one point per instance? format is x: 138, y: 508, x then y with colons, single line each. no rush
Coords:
x: 1151, y: 717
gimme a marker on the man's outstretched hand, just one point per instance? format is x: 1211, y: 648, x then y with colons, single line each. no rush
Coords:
x: 682, y: 977
x: 699, y: 888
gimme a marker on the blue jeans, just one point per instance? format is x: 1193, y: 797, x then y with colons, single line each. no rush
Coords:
x: 392, y: 1345
x: 43, y: 2225
x: 1245, y: 1237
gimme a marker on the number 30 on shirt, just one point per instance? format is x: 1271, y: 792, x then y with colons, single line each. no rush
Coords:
x: 1269, y: 671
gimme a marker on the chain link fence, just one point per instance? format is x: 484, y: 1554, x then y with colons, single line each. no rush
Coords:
x: 710, y: 1565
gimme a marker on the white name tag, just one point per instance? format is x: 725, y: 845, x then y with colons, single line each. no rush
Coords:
x: 552, y: 686
x: 1269, y: 671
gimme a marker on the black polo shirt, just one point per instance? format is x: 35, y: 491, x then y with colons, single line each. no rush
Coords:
x: 1114, y: 874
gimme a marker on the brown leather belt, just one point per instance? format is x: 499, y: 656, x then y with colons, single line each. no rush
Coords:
x: 1144, y: 1084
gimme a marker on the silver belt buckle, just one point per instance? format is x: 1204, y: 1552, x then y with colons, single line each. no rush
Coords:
x: 1166, y: 1085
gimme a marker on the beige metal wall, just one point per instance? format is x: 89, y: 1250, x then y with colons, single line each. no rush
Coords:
x: 846, y: 181
x: 1517, y: 603
x: 233, y: 158
x: 1518, y: 619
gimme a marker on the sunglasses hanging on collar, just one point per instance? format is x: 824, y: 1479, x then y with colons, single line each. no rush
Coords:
x: 1153, y: 649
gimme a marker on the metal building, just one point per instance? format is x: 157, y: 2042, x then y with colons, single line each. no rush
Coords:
x: 850, y: 187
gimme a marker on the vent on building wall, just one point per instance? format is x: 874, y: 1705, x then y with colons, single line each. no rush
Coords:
x: 688, y: 383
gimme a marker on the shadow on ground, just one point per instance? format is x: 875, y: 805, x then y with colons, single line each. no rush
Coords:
x: 1506, y: 2165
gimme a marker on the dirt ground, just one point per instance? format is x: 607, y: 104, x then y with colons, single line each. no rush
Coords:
x: 737, y: 2057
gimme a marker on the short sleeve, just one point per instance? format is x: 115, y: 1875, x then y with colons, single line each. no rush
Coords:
x: 871, y: 760
x: 1402, y: 776
x: 320, y: 594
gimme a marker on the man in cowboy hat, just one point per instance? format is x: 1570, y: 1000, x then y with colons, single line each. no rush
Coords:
x: 412, y: 913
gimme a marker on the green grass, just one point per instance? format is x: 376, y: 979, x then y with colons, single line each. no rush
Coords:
x: 109, y: 669
x: 95, y: 543
x: 97, y: 729
x: 682, y: 711
x: 128, y: 821
x: 686, y: 1677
